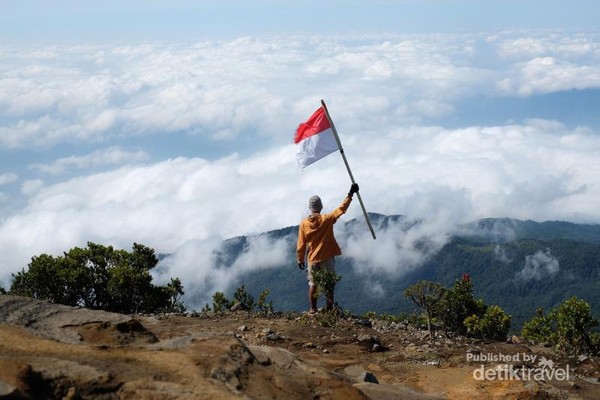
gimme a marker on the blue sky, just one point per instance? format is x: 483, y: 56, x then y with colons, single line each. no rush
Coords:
x: 191, y: 20
x: 171, y: 123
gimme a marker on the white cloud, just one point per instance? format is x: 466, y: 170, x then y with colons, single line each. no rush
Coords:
x: 442, y: 177
x: 31, y: 187
x: 8, y: 178
x: 222, y: 89
x: 197, y: 263
x: 539, y: 266
x: 105, y: 157
x: 547, y: 75
x: 380, y: 90
x: 575, y: 46
x: 397, y: 249
x: 501, y: 255
x: 547, y: 63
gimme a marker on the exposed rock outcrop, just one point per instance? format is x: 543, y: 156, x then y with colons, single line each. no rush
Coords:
x: 57, y: 352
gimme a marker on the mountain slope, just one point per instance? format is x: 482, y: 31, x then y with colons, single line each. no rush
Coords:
x: 518, y: 265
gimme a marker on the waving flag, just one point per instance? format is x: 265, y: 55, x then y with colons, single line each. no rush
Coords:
x: 314, y: 139
x: 317, y: 138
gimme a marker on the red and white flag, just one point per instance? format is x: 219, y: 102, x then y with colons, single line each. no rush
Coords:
x: 314, y: 139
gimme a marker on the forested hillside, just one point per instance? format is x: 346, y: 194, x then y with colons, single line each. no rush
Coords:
x: 518, y: 265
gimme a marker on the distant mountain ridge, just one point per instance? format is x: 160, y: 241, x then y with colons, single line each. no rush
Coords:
x: 518, y: 265
x: 501, y: 229
x: 491, y: 228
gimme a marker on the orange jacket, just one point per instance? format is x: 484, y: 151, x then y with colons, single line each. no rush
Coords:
x: 315, y: 234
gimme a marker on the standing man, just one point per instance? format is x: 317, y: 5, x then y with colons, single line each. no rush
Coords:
x: 315, y: 236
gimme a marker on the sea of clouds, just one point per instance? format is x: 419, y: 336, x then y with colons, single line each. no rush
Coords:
x: 115, y: 107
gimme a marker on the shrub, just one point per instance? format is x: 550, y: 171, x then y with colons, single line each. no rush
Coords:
x: 327, y: 318
x: 567, y: 328
x: 493, y: 325
x: 205, y: 309
x: 458, y: 304
x: 244, y: 297
x: 262, y: 305
x: 325, y: 280
x: 541, y: 328
x: 220, y: 302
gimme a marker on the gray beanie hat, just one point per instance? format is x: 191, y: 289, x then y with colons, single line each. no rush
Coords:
x: 314, y: 204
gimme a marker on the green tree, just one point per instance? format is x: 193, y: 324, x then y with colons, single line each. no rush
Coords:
x: 426, y: 295
x: 73, y: 273
x: 98, y: 260
x: 175, y: 293
x: 42, y: 280
x: 97, y: 277
x: 130, y: 282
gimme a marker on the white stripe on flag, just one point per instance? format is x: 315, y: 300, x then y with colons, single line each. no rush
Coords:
x: 315, y: 147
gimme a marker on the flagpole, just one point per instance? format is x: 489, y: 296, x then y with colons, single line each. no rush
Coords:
x: 339, y: 143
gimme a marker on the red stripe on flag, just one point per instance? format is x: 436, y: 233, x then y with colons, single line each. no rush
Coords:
x: 316, y: 124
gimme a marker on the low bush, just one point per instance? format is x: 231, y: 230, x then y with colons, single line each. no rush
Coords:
x: 568, y: 328
x: 493, y: 325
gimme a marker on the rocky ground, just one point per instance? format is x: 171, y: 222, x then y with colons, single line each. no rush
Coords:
x: 57, y: 352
